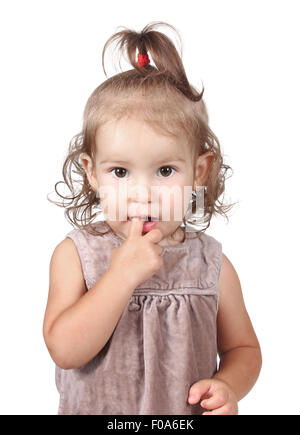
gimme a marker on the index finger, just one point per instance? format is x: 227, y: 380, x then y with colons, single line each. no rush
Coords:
x: 217, y: 400
x: 135, y: 228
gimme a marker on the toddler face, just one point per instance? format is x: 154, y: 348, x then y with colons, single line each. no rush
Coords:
x: 139, y: 172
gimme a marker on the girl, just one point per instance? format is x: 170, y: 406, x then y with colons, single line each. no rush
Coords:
x: 141, y: 304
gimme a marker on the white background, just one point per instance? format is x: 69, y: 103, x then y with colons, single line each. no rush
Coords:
x: 247, y: 55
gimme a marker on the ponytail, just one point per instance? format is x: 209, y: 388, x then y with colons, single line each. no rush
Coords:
x: 163, y: 53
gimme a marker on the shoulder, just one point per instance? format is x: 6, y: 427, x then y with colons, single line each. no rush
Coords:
x: 211, y: 248
x: 228, y: 274
x: 66, y: 282
x: 230, y: 290
x: 87, y: 238
x: 210, y: 243
x: 206, y: 251
x: 92, y: 248
x: 234, y: 325
x: 65, y: 253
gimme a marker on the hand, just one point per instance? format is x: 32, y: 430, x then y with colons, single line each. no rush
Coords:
x: 138, y: 258
x: 217, y: 397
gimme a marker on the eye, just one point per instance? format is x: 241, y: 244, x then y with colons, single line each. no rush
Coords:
x: 166, y: 171
x: 120, y: 171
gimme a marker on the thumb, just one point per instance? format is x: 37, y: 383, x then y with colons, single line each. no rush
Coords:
x: 198, y: 390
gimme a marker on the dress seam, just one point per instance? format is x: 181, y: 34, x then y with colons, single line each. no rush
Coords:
x: 178, y: 291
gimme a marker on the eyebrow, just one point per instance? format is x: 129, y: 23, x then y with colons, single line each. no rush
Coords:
x: 176, y: 159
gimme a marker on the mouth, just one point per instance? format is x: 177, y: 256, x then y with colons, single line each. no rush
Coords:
x: 144, y: 218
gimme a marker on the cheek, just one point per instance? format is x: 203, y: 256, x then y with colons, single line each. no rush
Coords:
x: 114, y: 200
x: 108, y: 195
x: 172, y: 203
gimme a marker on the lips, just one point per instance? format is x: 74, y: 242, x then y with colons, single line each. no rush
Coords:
x: 145, y: 218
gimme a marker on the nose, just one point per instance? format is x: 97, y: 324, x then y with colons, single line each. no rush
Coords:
x: 139, y: 192
x: 139, y: 198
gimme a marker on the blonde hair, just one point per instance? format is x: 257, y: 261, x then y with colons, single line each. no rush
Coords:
x: 160, y: 95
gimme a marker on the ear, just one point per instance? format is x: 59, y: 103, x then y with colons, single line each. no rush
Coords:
x: 202, y: 168
x: 89, y: 170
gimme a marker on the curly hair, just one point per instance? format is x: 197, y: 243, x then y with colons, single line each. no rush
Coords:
x: 160, y: 95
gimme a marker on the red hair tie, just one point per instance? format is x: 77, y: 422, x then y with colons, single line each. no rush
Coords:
x: 143, y: 59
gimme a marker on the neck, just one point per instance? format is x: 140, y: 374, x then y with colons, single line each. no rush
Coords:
x: 177, y: 237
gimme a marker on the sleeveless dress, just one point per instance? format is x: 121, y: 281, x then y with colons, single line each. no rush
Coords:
x: 164, y: 341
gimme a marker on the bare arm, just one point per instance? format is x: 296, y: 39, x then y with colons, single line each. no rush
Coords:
x: 78, y: 323
x: 239, y: 350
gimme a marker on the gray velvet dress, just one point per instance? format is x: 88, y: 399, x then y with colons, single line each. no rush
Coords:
x: 164, y: 341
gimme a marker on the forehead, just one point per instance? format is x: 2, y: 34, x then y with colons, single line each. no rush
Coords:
x: 130, y: 137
